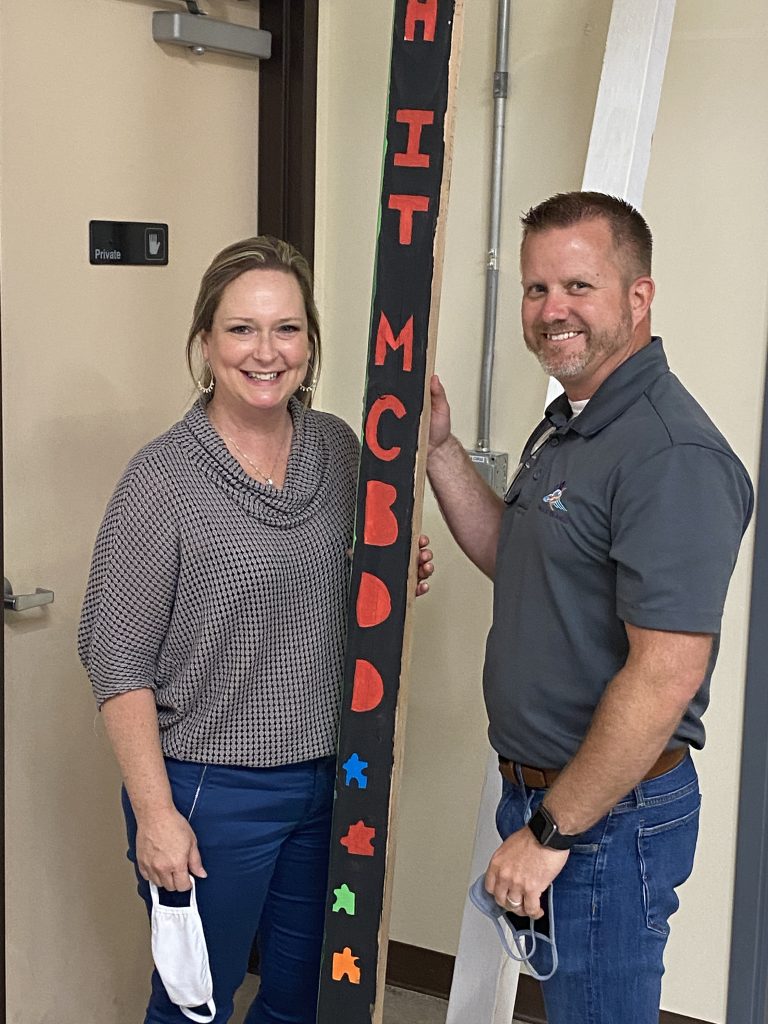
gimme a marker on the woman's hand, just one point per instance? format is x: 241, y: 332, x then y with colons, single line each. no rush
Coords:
x: 167, y: 853
x: 425, y: 566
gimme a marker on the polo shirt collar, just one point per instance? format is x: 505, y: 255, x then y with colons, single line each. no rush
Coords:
x: 615, y: 394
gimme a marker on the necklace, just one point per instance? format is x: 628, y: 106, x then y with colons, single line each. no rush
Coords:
x: 266, y: 476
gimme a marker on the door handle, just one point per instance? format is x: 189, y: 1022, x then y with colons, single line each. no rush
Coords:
x: 21, y: 602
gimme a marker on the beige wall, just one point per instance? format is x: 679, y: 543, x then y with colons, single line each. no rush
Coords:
x: 706, y: 200
x: 96, y: 122
x: 711, y: 149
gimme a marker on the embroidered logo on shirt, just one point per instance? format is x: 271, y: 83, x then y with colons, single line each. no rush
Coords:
x: 555, y: 499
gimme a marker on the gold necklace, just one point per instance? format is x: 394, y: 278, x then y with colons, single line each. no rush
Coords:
x: 267, y: 476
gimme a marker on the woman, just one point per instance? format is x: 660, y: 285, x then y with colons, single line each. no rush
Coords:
x: 213, y: 630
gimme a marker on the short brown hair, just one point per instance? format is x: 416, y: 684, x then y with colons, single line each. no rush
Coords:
x: 262, y: 252
x: 630, y: 231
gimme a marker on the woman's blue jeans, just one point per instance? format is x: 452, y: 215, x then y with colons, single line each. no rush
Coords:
x: 614, y: 897
x: 264, y: 836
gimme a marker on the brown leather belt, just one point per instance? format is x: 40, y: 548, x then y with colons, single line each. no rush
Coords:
x: 542, y: 778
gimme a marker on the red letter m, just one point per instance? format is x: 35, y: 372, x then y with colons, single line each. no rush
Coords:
x: 385, y: 338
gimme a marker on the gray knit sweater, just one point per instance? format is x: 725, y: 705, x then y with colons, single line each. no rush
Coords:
x: 225, y: 596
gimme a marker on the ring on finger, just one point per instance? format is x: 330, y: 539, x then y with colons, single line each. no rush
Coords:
x: 513, y: 903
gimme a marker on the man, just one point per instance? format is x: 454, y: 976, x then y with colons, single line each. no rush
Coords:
x: 611, y: 556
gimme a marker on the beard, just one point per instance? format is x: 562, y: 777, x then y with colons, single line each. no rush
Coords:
x: 596, y: 347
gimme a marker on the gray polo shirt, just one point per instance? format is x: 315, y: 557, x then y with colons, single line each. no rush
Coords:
x: 631, y: 512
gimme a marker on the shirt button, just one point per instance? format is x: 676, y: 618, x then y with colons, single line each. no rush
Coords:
x: 555, y: 442
x: 536, y: 475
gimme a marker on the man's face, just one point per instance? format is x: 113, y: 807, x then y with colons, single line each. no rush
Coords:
x: 580, y: 306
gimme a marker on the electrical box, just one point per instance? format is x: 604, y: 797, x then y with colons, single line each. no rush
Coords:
x: 492, y: 467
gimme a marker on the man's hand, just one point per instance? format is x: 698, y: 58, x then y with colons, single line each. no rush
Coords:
x: 426, y: 565
x: 520, y: 871
x: 440, y: 417
x: 167, y: 853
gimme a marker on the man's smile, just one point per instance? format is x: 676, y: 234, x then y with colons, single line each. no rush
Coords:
x: 561, y: 335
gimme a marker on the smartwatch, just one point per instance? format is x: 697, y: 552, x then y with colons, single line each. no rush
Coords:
x: 544, y: 828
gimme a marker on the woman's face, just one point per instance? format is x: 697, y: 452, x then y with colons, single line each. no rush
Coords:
x: 257, y: 347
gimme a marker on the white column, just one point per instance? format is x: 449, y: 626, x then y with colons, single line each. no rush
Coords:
x: 485, y: 979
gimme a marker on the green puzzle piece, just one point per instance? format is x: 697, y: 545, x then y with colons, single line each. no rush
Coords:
x: 345, y: 900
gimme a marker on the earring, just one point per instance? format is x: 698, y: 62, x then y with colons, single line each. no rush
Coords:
x: 212, y: 383
x: 308, y: 389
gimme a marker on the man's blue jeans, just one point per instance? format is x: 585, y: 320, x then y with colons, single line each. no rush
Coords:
x: 264, y: 836
x: 614, y: 897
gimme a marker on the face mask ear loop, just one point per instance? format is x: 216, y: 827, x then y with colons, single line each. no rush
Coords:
x: 197, y: 1017
x: 156, y: 895
x: 551, y: 942
x: 521, y: 956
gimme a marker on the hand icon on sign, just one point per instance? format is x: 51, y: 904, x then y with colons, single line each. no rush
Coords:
x: 156, y: 243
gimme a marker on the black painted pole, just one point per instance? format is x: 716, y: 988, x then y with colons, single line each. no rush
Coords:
x: 403, y: 325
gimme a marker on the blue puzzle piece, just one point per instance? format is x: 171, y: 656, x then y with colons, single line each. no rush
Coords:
x: 355, y: 768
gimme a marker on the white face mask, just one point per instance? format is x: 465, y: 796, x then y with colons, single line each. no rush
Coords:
x: 181, y: 956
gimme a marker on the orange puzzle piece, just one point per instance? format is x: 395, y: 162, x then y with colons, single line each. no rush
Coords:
x: 345, y: 964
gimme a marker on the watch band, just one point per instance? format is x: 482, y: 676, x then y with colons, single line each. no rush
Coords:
x: 544, y: 828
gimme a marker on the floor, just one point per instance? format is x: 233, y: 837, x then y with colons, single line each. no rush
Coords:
x: 400, y: 1006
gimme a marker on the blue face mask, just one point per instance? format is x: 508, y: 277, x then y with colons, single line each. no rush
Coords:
x: 527, y: 935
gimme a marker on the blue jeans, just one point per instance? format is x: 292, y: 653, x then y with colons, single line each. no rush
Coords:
x: 264, y: 837
x: 614, y: 897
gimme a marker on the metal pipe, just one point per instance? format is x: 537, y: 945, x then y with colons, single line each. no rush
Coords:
x: 500, y: 90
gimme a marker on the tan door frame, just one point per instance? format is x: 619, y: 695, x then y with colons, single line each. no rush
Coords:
x: 2, y: 725
x: 287, y: 122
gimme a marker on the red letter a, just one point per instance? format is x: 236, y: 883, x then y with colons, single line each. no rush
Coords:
x: 424, y: 11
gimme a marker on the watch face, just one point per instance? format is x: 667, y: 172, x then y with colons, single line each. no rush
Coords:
x: 542, y: 826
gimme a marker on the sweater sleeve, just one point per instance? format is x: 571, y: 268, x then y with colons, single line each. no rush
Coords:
x: 132, y: 585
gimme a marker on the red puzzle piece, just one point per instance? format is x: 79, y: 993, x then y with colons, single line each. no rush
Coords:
x: 358, y: 839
